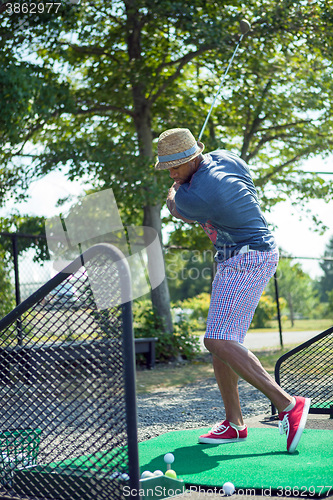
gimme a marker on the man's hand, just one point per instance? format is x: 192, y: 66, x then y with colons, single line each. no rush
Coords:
x: 171, y: 204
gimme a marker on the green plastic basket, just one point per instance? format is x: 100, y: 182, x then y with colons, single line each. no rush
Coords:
x: 18, y: 449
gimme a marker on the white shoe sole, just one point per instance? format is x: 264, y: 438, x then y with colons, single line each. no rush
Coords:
x: 220, y: 441
x: 301, y: 426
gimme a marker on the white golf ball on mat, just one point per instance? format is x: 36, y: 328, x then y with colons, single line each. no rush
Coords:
x: 228, y: 488
x: 146, y: 474
x: 124, y: 476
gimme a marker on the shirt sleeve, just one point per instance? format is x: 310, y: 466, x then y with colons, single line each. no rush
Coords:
x: 190, y: 205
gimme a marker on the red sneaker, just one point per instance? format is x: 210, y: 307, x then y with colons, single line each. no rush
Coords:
x: 224, y: 432
x: 293, y: 422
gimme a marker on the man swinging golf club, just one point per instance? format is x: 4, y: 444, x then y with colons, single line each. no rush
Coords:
x: 216, y: 190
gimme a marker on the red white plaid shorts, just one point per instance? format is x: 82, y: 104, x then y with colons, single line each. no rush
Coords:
x: 236, y: 290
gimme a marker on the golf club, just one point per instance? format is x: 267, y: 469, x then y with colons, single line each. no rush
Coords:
x: 244, y: 28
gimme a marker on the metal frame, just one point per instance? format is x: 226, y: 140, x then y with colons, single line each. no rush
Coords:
x: 116, y: 257
x: 290, y: 353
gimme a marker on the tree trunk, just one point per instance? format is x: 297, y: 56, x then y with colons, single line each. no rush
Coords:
x: 152, y: 217
x: 142, y: 121
x: 160, y: 295
x: 291, y: 309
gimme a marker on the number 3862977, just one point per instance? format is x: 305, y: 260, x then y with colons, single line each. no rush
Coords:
x: 33, y: 8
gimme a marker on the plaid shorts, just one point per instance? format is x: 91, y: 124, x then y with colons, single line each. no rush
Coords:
x: 236, y: 290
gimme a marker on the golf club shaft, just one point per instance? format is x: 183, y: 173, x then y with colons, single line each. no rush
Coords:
x: 218, y: 91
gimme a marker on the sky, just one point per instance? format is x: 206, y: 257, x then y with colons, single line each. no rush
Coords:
x: 294, y: 232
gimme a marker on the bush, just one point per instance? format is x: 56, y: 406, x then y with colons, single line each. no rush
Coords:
x: 181, y: 342
x: 329, y: 310
x: 199, y: 305
x: 266, y: 311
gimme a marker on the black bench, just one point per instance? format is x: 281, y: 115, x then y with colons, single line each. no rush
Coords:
x: 146, y: 346
x: 30, y: 358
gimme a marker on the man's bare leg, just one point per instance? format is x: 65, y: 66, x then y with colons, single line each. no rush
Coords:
x: 245, y: 364
x: 227, y: 381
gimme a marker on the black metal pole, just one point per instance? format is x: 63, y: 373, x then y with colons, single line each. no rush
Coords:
x: 16, y: 269
x: 17, y: 287
x: 278, y: 309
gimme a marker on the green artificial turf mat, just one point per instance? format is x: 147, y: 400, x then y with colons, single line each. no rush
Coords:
x: 325, y: 404
x: 260, y: 462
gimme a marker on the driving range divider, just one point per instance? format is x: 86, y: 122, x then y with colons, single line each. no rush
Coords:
x: 307, y: 370
x: 67, y: 385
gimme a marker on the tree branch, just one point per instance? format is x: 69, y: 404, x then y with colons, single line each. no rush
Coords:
x: 256, y: 121
x: 263, y: 180
x: 3, y: 6
x: 90, y: 50
x: 182, y: 61
x: 286, y: 125
x: 42, y: 122
x: 263, y: 141
x: 103, y: 108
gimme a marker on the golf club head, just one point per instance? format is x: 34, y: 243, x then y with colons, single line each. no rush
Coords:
x: 245, y: 26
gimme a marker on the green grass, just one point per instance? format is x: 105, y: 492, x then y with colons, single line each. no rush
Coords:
x: 300, y: 325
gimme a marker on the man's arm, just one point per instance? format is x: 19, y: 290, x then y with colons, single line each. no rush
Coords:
x: 171, y: 204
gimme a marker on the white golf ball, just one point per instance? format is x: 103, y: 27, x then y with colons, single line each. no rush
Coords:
x: 124, y: 476
x: 158, y: 473
x: 114, y: 475
x: 146, y: 474
x: 228, y: 488
x: 169, y: 458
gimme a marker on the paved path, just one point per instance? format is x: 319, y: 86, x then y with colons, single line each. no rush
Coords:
x: 267, y: 339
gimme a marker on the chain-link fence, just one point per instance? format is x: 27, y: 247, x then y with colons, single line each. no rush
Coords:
x: 67, y: 372
x: 26, y: 274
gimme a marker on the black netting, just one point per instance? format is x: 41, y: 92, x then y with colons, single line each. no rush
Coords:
x: 65, y: 370
x: 308, y: 371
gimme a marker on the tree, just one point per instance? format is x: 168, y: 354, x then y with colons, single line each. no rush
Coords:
x: 7, y: 300
x: 25, y: 224
x: 118, y: 74
x: 189, y: 273
x: 296, y: 287
x: 325, y: 285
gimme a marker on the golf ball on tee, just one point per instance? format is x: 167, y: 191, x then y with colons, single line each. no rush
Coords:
x: 169, y: 458
x: 228, y: 488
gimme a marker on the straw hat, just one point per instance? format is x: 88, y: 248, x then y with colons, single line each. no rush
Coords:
x: 175, y: 147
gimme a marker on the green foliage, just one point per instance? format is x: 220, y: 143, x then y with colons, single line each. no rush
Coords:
x: 296, y: 287
x: 25, y: 224
x: 169, y: 346
x: 200, y: 306
x: 126, y: 75
x: 189, y: 272
x: 7, y: 299
x: 266, y: 311
x: 325, y: 284
x: 329, y: 313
